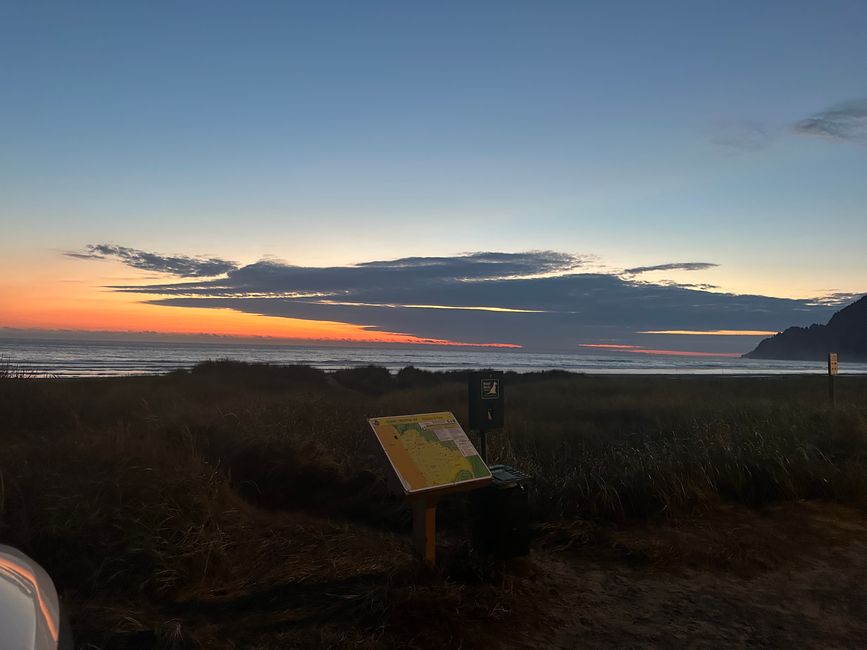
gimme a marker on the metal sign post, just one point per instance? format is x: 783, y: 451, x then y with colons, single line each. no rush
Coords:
x: 486, y: 398
x: 501, y: 510
x: 832, y: 374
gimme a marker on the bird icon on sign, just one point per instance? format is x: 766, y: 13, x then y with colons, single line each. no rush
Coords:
x: 490, y: 388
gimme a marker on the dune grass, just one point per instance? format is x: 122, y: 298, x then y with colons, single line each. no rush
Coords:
x: 240, y: 505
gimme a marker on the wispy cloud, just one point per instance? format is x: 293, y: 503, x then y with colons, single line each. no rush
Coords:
x: 846, y: 121
x: 672, y: 266
x: 837, y: 299
x: 488, y: 265
x: 180, y: 265
x: 740, y: 136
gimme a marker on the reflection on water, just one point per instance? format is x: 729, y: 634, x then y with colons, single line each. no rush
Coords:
x: 89, y: 358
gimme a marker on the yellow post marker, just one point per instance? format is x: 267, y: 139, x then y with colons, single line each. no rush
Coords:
x: 832, y: 373
x: 431, y: 456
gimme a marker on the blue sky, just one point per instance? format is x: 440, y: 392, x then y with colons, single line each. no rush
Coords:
x: 329, y: 134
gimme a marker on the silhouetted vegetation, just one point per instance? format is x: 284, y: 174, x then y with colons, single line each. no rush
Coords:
x: 246, y: 505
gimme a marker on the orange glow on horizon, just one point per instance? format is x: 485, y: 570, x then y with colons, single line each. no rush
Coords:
x: 143, y: 317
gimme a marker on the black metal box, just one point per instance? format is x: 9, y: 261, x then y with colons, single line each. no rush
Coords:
x: 501, y: 515
x: 485, y: 394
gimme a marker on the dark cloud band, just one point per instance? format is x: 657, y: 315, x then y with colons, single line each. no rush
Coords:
x: 537, y: 299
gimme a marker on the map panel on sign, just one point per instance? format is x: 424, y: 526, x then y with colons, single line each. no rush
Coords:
x: 429, y: 451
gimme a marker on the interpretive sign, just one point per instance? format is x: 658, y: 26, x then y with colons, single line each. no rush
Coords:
x: 430, y: 452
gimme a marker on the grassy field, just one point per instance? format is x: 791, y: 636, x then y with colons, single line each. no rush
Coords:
x: 247, y: 506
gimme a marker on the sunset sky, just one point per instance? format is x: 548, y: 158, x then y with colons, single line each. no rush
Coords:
x: 550, y: 175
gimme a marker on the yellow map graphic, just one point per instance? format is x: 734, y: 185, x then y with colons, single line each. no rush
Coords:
x: 429, y: 451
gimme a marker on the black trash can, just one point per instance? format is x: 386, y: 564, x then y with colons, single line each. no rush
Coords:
x: 501, y: 514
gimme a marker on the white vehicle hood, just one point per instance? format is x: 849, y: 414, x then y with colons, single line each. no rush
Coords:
x: 29, y: 609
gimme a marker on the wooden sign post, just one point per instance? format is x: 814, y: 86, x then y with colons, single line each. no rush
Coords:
x: 431, y: 456
x: 832, y: 374
x: 424, y: 529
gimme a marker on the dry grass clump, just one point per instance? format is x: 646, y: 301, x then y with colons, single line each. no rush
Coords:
x: 126, y: 515
x: 630, y: 447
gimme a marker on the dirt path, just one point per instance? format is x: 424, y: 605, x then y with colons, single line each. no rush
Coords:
x: 795, y: 577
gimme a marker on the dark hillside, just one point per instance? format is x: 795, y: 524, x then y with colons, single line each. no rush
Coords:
x: 845, y: 333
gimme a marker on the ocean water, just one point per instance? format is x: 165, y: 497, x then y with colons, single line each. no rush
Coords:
x: 103, y: 359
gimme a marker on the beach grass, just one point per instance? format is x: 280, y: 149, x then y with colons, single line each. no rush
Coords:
x: 244, y: 505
